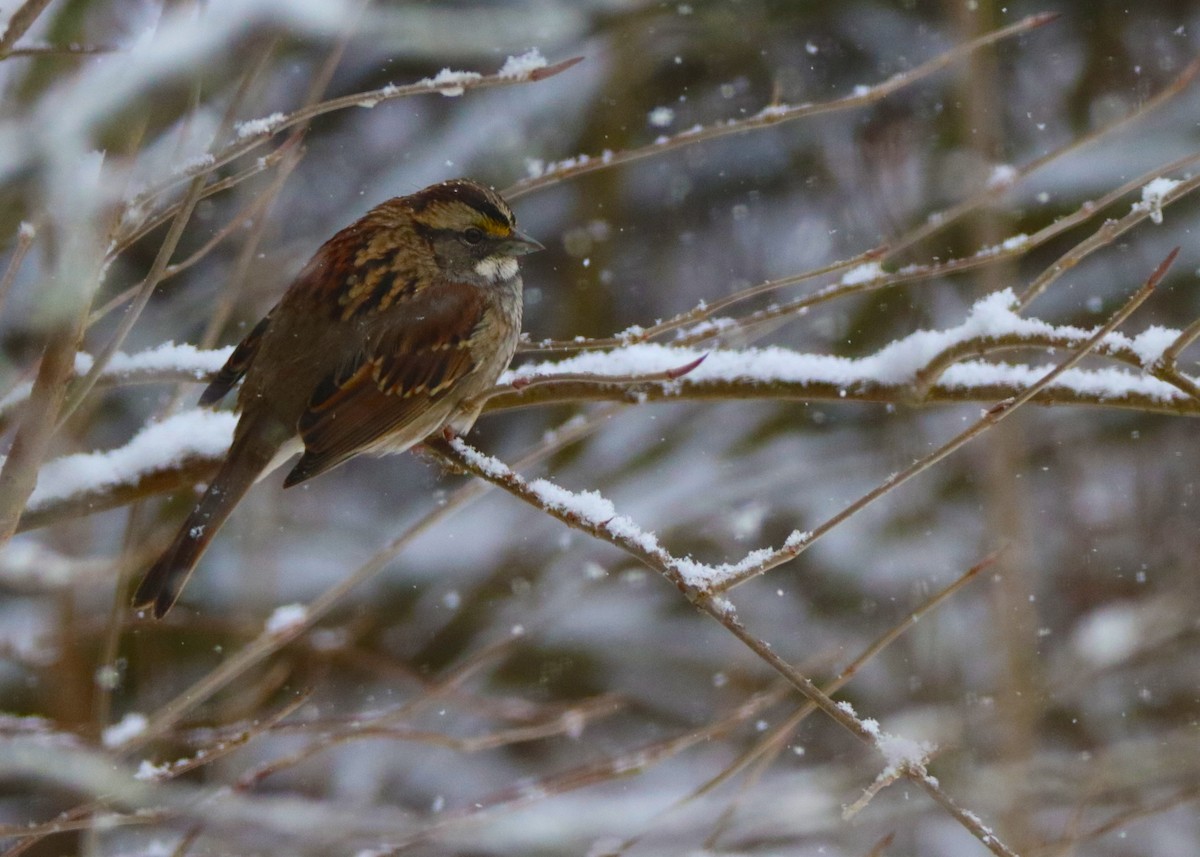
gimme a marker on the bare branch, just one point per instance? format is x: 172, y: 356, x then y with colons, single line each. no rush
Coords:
x: 772, y: 114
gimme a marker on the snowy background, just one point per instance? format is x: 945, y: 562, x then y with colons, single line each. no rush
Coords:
x: 396, y: 658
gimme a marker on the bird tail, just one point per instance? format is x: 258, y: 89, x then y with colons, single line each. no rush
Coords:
x: 164, y: 581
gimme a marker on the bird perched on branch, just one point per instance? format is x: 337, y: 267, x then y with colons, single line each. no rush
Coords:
x: 392, y: 332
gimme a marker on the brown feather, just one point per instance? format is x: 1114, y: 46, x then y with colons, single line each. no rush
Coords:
x: 237, y: 364
x: 405, y: 373
x: 164, y: 580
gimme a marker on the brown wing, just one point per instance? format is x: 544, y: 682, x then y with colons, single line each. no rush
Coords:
x: 405, y: 370
x: 237, y: 364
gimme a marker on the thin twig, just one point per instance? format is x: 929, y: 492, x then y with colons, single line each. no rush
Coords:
x: 990, y: 418
x: 764, y: 752
x: 60, y: 51
x: 247, y: 143
x: 1112, y: 229
x: 81, y: 389
x: 843, y: 717
x: 942, y: 220
x: 698, y: 314
x: 638, y: 545
x: 773, y: 114
x: 136, y: 229
x: 25, y: 235
x: 19, y: 23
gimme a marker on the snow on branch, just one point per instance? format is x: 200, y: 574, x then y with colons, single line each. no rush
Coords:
x: 190, y: 444
x: 991, y: 320
x: 251, y: 133
x: 159, y: 446
x: 591, y: 511
x: 164, y: 362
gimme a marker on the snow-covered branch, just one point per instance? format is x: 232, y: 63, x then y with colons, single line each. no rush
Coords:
x: 917, y: 369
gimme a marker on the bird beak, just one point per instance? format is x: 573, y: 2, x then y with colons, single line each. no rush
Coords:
x: 518, y: 244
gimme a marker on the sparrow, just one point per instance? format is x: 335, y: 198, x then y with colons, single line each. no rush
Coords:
x: 391, y: 333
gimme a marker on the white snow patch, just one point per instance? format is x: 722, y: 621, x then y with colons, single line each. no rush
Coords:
x: 170, y: 357
x: 773, y: 111
x: 254, y: 127
x: 131, y: 725
x: 149, y: 772
x: 1152, y: 197
x: 661, y: 117
x: 595, y: 510
x: 449, y: 82
x: 1152, y: 342
x: 1108, y: 636
x: 863, y: 273
x: 901, y: 754
x: 286, y: 618
x: 706, y: 577
x: 159, y: 446
x: 493, y: 467
x: 522, y: 66
x: 1008, y: 245
x: 535, y: 168
x: 992, y: 317
x: 196, y: 164
x: 1003, y: 175
x: 1101, y: 384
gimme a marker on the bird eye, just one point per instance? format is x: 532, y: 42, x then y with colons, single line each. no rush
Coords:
x: 472, y: 235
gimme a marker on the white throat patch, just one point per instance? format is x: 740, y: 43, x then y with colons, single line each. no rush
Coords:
x: 496, y: 268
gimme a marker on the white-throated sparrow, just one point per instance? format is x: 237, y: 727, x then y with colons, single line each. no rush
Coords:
x: 389, y: 334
